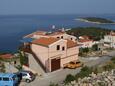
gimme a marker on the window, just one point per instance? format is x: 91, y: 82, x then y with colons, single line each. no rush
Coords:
x: 24, y: 74
x: 62, y: 37
x: 63, y: 48
x: 58, y: 47
x: 5, y: 79
x: 71, y: 39
x: 14, y: 62
x: 0, y: 78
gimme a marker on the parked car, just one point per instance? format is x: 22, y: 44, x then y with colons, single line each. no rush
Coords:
x: 73, y: 65
x: 27, y: 76
x: 8, y: 79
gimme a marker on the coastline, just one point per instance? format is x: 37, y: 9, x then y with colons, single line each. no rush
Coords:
x: 85, y: 20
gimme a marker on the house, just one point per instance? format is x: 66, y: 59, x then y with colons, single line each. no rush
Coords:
x: 58, y: 34
x: 85, y: 42
x: 54, y: 49
x: 8, y: 65
x: 6, y: 56
x: 54, y: 52
x: 109, y: 40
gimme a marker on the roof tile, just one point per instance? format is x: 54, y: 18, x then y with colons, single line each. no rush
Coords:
x: 45, y: 41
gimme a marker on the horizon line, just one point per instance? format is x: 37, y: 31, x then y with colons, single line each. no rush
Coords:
x: 59, y: 14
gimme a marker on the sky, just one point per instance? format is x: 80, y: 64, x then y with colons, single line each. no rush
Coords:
x: 20, y: 7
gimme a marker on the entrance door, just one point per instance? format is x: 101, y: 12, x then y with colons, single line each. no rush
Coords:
x: 55, y: 64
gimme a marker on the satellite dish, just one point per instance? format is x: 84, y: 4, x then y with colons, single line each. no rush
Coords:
x: 53, y: 26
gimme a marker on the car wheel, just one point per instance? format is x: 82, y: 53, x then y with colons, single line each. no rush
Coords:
x: 28, y: 81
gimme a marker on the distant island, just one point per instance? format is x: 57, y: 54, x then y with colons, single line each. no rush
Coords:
x: 96, y: 20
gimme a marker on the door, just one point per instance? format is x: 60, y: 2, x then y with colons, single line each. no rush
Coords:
x: 55, y: 64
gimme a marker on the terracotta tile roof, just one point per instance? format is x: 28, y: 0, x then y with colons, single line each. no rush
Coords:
x: 36, y: 33
x: 45, y: 41
x: 112, y: 33
x: 85, y: 40
x: 6, y: 56
x: 43, y: 33
x: 71, y: 44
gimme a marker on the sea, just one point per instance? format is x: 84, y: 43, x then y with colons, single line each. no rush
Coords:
x: 14, y: 27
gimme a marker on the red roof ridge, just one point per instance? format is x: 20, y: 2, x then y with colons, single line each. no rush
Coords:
x: 71, y: 43
x: 6, y: 56
x: 45, y: 41
x: 85, y: 40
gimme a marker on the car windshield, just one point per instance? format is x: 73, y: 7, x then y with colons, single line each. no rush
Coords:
x: 14, y: 78
x: 5, y: 79
x: 30, y: 73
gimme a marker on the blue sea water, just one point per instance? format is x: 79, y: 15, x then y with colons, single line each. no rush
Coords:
x: 13, y: 28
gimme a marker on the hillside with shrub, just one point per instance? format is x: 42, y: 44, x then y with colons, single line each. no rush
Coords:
x: 95, y: 33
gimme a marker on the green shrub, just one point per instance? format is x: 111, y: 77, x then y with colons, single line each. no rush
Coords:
x: 69, y: 78
x: 108, y: 67
x: 113, y: 60
x: 52, y: 84
x: 23, y: 58
x: 85, y: 71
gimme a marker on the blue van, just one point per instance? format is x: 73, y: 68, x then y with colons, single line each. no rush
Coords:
x: 8, y: 79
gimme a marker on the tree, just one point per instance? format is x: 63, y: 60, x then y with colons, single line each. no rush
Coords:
x: 85, y: 50
x: 2, y: 67
x: 23, y: 58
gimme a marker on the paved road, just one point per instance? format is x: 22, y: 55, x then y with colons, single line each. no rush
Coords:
x: 55, y: 77
x: 59, y: 76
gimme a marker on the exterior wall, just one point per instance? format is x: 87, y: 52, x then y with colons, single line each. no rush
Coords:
x: 107, y: 38
x: 86, y: 44
x: 54, y: 53
x: 42, y: 53
x: 72, y: 51
x: 71, y: 55
x: 110, y: 39
x: 70, y: 37
x: 65, y: 36
x: 34, y: 66
x: 68, y: 59
x: 53, y: 49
